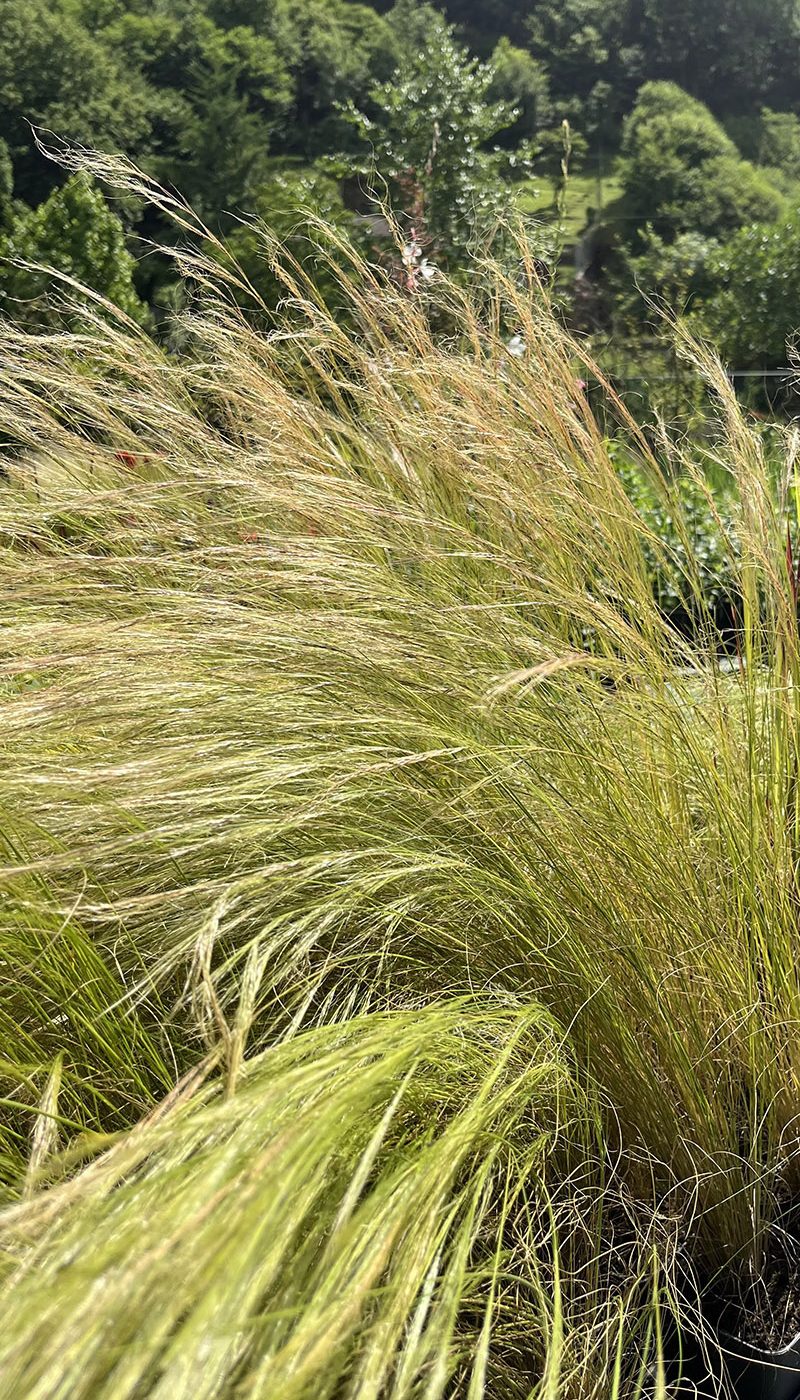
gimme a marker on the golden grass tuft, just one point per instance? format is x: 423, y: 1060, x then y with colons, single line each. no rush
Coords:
x: 400, y: 916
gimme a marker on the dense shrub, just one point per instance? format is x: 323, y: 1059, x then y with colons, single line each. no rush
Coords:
x: 754, y: 311
x: 682, y: 172
x: 690, y: 527
x: 77, y: 233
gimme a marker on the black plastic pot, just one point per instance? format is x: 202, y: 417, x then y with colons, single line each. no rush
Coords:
x: 763, y: 1375
x: 728, y: 1367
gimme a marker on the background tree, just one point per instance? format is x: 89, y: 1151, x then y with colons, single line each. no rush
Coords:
x: 733, y: 56
x: 483, y: 22
x: 583, y: 43
x: 752, y: 313
x: 779, y: 142
x: 520, y: 82
x: 216, y: 98
x: 282, y: 205
x: 343, y: 50
x: 55, y: 74
x: 681, y: 170
x: 430, y: 132
x: 332, y: 51
x: 75, y: 232
x: 6, y: 186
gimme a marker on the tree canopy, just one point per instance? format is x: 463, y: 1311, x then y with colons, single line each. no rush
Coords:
x: 247, y: 105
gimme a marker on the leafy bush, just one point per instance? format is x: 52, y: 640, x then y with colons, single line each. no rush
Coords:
x: 429, y: 132
x: 689, y: 527
x: 754, y: 313
x: 284, y: 204
x: 75, y: 232
x: 770, y: 138
x: 664, y: 276
x: 727, y: 193
x: 682, y: 172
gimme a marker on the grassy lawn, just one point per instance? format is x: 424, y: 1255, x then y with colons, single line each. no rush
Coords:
x: 584, y: 191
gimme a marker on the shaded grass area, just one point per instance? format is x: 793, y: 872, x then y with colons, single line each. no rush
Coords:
x: 400, y: 916
x: 587, y: 190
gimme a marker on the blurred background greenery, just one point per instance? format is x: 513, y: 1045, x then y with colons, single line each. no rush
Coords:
x: 682, y: 150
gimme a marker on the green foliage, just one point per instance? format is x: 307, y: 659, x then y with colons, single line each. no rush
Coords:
x: 6, y: 185
x: 770, y: 138
x: 199, y: 93
x: 429, y: 132
x: 753, y: 315
x: 344, y: 49
x: 660, y: 277
x: 734, y: 59
x: 211, y: 96
x: 521, y: 83
x: 668, y: 139
x: 332, y: 51
x: 558, y: 147
x: 283, y: 205
x: 688, y: 528
x: 226, y: 137
x: 215, y: 97
x: 780, y: 141
x: 55, y: 74
x: 733, y: 193
x: 681, y: 171
x: 75, y: 232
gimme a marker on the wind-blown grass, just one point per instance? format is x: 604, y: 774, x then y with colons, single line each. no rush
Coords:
x: 314, y: 1230
x: 401, y: 923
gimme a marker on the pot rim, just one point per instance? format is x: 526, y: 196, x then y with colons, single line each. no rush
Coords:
x: 750, y: 1352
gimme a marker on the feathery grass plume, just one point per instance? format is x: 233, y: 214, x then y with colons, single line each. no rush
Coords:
x: 354, y: 782
x: 348, y: 1216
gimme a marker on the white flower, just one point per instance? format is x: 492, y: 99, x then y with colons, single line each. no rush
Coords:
x: 517, y: 346
x: 427, y: 270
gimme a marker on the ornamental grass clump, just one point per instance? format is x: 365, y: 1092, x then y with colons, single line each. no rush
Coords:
x: 400, y: 913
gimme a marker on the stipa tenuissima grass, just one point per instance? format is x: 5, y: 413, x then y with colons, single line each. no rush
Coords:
x: 400, y: 917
